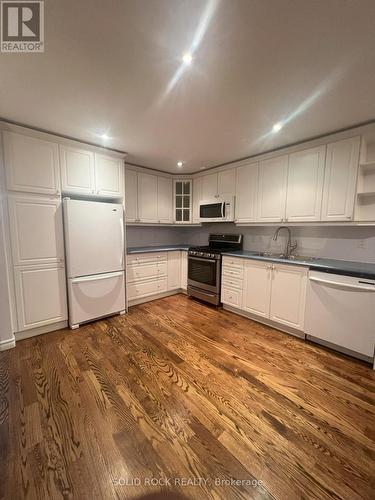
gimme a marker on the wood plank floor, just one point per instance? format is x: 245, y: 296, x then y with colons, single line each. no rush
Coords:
x: 177, y: 392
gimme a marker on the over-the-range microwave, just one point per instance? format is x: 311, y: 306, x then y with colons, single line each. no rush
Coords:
x: 217, y: 210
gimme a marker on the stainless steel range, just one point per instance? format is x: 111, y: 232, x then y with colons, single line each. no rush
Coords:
x: 204, y: 266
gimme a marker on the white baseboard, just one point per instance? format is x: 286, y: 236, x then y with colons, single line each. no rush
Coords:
x: 265, y: 321
x: 33, y: 332
x: 149, y: 298
x: 7, y: 344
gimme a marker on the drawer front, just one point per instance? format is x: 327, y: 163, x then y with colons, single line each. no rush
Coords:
x: 230, y: 282
x: 231, y: 297
x: 233, y: 272
x: 147, y: 271
x: 146, y: 288
x: 144, y: 258
x: 232, y: 262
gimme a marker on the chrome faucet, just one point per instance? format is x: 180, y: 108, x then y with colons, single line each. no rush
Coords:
x: 289, y: 247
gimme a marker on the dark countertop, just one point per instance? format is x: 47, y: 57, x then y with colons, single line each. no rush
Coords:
x: 157, y: 248
x: 334, y: 266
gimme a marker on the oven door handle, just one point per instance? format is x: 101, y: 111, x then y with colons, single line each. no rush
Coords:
x: 203, y: 260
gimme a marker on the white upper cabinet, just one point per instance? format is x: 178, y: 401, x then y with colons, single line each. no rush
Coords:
x: 109, y: 178
x: 272, y: 189
x: 209, y: 186
x: 305, y: 184
x: 197, y: 197
x: 246, y: 193
x: 147, y: 198
x: 36, y: 230
x: 165, y: 200
x: 340, y: 179
x: 288, y: 295
x: 131, y: 195
x: 226, y: 182
x: 77, y: 170
x: 257, y: 288
x: 31, y: 164
x: 182, y: 201
x: 219, y: 184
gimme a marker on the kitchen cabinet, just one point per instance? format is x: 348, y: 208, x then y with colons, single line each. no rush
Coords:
x: 109, y: 176
x: 257, y: 287
x: 31, y: 164
x: 305, y: 185
x: 272, y: 189
x: 174, y: 270
x: 219, y: 184
x: 183, y: 201
x: 271, y: 291
x: 36, y: 229
x: 209, y: 186
x: 131, y: 195
x: 288, y: 295
x: 184, y: 269
x: 340, y: 179
x: 41, y: 296
x: 147, y: 198
x: 197, y: 197
x: 77, y: 170
x: 165, y: 202
x: 226, y: 183
x: 232, y: 282
x: 89, y: 174
x: 246, y: 193
x: 152, y: 273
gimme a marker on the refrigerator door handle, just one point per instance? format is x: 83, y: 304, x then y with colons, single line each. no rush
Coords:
x: 96, y: 277
x: 122, y: 242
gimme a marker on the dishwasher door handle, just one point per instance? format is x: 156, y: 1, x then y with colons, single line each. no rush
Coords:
x: 343, y: 285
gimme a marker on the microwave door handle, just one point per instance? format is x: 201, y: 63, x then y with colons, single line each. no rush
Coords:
x: 223, y: 210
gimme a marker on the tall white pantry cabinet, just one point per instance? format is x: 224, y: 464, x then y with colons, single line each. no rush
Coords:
x: 34, y: 191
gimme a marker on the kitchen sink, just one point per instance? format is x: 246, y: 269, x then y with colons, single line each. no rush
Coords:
x: 285, y: 257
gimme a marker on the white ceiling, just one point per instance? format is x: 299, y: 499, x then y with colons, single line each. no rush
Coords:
x: 108, y: 65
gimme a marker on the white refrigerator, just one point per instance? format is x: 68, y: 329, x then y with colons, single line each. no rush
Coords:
x: 94, y: 246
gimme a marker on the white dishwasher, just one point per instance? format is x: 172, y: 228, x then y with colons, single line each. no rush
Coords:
x: 340, y: 313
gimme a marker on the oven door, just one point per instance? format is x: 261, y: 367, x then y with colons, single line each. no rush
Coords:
x: 204, y: 273
x: 212, y: 211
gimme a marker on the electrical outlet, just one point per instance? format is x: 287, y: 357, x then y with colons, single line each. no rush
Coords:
x: 362, y: 244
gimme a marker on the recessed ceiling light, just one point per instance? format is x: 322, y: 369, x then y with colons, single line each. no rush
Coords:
x: 187, y: 58
x: 179, y: 164
x: 105, y: 137
x: 277, y: 127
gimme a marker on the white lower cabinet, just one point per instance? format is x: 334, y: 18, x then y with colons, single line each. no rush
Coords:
x: 41, y: 295
x: 152, y: 273
x: 272, y: 291
x: 288, y: 295
x: 174, y: 270
x: 257, y: 288
x: 184, y: 269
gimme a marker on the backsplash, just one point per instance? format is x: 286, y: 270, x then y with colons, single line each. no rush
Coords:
x: 346, y: 243
x: 141, y: 236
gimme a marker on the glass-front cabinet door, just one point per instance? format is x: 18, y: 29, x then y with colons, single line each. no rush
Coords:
x: 183, y: 200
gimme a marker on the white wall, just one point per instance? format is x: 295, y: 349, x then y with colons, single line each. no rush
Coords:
x: 138, y: 236
x: 346, y: 243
